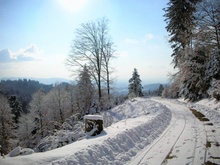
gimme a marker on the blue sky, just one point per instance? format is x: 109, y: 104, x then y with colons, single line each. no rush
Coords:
x: 36, y: 36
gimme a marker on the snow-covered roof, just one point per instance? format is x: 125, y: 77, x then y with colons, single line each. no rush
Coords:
x: 93, y: 117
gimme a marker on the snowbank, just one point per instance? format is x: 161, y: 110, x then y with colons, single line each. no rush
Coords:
x: 210, y: 108
x: 121, y: 148
x: 139, y: 124
x: 18, y: 151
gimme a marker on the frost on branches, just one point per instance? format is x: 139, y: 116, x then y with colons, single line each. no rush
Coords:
x: 213, y: 75
x: 6, y: 119
x: 71, y: 130
x: 193, y: 85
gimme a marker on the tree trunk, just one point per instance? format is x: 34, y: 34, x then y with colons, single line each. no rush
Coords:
x: 108, y: 84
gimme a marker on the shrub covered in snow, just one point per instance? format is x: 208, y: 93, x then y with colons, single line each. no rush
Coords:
x: 216, y: 94
x: 71, y: 130
x: 216, y: 89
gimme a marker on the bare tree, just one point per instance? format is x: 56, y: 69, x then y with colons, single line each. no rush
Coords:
x: 71, y: 97
x: 108, y: 55
x: 89, y: 48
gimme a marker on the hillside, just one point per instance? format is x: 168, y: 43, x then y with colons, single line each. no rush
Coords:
x: 23, y: 89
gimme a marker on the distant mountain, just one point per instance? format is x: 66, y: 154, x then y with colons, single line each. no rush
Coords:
x: 47, y: 81
x: 149, y: 87
x: 52, y: 80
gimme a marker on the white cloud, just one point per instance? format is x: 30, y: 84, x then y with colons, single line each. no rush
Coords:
x: 29, y: 51
x: 24, y: 54
x: 49, y: 66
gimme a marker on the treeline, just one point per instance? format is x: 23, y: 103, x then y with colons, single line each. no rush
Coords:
x: 22, y: 90
x: 49, y: 109
x: 194, y: 35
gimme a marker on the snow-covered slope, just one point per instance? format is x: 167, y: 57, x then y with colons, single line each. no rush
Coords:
x: 139, y: 122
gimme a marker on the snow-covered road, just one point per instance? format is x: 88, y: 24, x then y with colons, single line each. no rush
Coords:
x: 144, y: 131
x: 187, y: 140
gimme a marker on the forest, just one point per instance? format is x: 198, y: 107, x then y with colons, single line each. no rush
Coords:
x: 194, y: 36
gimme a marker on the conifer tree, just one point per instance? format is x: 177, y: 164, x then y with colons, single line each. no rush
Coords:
x: 193, y: 84
x: 16, y: 108
x: 135, y: 87
x: 85, y: 91
x: 160, y: 90
x: 180, y: 23
x: 5, y: 125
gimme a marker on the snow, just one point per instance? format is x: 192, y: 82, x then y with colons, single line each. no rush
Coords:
x: 93, y: 117
x: 20, y: 151
x: 142, y: 131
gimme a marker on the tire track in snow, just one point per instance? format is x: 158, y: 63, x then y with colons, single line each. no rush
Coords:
x: 184, y: 127
x: 206, y: 136
x: 151, y: 152
x: 191, y: 145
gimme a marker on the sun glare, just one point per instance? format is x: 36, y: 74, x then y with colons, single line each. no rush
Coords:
x: 72, y: 5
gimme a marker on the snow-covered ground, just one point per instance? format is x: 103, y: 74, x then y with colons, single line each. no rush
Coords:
x: 143, y: 131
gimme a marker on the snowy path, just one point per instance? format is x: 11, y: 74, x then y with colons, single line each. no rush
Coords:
x: 185, y: 140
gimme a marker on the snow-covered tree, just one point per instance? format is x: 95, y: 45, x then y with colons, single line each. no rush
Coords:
x: 70, y: 131
x: 16, y: 108
x: 172, y: 90
x: 194, y: 28
x: 72, y: 98
x: 212, y: 74
x: 180, y: 25
x: 135, y: 87
x: 58, y: 102
x: 85, y: 91
x: 6, y: 119
x: 39, y: 111
x: 213, y: 66
x: 208, y: 23
x: 160, y: 90
x: 26, y: 126
x: 192, y: 71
